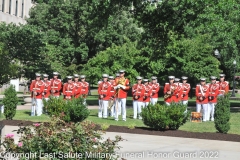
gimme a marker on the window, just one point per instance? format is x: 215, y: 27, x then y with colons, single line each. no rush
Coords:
x: 16, y: 9
x: 10, y: 5
x: 22, y: 10
x: 3, y: 4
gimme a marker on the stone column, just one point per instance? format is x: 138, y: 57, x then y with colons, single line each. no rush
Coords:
x: 6, y: 6
x: 19, y: 8
x: 1, y: 5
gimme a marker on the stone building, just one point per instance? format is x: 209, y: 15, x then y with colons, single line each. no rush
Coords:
x: 15, y: 11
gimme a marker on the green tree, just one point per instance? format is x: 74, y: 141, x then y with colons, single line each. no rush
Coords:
x: 113, y: 59
x: 222, y: 114
x: 10, y: 102
x: 9, y: 66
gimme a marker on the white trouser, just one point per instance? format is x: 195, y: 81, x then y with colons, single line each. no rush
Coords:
x: 103, y: 108
x: 121, y: 103
x: 185, y: 102
x: 145, y: 104
x: 2, y: 109
x: 137, y: 109
x: 211, y: 109
x: 46, y: 99
x: 154, y: 100
x: 37, y: 107
x: 204, y: 110
x: 113, y: 109
x: 167, y: 103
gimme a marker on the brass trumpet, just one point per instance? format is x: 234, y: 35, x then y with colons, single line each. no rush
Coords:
x: 169, y: 95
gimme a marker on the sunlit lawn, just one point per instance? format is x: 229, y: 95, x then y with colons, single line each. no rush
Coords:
x: 189, y: 126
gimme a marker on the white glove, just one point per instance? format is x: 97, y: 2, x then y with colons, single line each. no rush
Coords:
x: 123, y: 87
x: 116, y: 87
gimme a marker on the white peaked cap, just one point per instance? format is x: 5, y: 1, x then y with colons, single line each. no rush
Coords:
x: 105, y: 75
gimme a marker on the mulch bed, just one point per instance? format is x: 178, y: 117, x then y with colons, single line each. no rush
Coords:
x: 149, y: 131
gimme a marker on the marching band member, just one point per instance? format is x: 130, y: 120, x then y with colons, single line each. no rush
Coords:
x: 117, y: 75
x: 147, y: 92
x: 112, y: 95
x: 69, y: 89
x: 36, y: 88
x: 78, y: 86
x: 85, y: 87
x: 138, y: 93
x: 212, y: 97
x: 104, y: 89
x: 223, y: 85
x: 47, y: 87
x: 122, y: 86
x: 179, y: 90
x: 170, y: 91
x: 56, y: 85
x: 155, y: 89
x: 202, y: 92
x: 186, y: 88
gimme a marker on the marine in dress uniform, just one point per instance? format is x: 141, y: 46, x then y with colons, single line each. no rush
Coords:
x: 137, y: 93
x: 78, y: 86
x: 202, y: 93
x: 85, y: 87
x: 212, y: 97
x: 117, y: 75
x: 47, y: 87
x: 179, y: 91
x: 104, y: 89
x: 37, y: 88
x: 56, y: 85
x: 112, y: 96
x: 69, y: 89
x: 223, y: 85
x: 147, y: 92
x: 186, y: 88
x: 155, y: 89
x: 170, y: 91
x: 122, y: 87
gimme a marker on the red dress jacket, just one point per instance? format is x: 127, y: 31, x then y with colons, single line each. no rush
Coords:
x: 173, y: 89
x: 112, y: 91
x: 47, y: 89
x: 179, y: 92
x: 78, y: 88
x: 84, y: 90
x: 68, y: 90
x: 213, y: 92
x: 147, y: 93
x: 223, y: 87
x: 104, y: 89
x: 186, y: 88
x: 122, y: 93
x: 155, y: 90
x: 37, y: 86
x: 138, y: 92
x: 202, y: 91
x: 56, y: 85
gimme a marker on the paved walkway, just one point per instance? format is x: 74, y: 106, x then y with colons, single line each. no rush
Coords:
x: 137, y: 147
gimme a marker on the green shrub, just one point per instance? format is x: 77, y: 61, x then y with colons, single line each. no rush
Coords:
x: 222, y: 114
x: 104, y: 126
x: 10, y: 102
x: 58, y: 138
x: 162, y: 117
x: 69, y: 110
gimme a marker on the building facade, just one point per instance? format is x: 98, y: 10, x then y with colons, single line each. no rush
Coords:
x: 15, y: 11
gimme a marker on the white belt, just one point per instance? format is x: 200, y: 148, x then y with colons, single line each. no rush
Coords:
x: 36, y: 88
x: 138, y: 92
x: 153, y: 90
x: 83, y: 89
x: 212, y: 93
x: 68, y: 91
x: 54, y: 87
x: 45, y: 89
x: 184, y: 91
x: 222, y: 90
x: 111, y: 91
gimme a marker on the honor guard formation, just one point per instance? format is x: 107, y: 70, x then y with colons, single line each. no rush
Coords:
x: 113, y: 92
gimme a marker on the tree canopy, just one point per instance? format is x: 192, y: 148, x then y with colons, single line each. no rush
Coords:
x: 171, y: 37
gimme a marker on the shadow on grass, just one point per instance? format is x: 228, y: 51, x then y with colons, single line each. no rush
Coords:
x: 27, y: 112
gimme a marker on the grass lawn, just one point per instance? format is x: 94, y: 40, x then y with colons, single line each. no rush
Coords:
x: 189, y: 126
